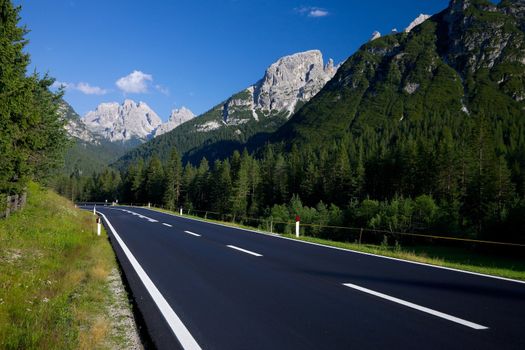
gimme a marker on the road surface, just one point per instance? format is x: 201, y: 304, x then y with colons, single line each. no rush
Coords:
x: 204, y: 285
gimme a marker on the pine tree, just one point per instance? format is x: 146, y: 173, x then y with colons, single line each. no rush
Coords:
x: 137, y: 182
x: 172, y: 174
x: 267, y: 171
x: 294, y: 170
x: 221, y: 187
x: 280, y: 180
x: 255, y: 195
x: 340, y: 181
x: 188, y: 178
x: 32, y: 138
x: 241, y: 187
x: 154, y: 181
x: 201, y: 185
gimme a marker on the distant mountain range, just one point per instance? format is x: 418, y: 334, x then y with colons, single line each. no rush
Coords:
x: 127, y: 122
x: 263, y: 107
x: 431, y: 67
x: 259, y: 109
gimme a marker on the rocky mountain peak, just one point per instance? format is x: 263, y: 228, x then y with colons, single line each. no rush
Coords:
x: 417, y: 21
x: 177, y: 117
x: 122, y: 122
x: 375, y: 35
x: 478, y: 36
x: 74, y: 125
x: 291, y: 79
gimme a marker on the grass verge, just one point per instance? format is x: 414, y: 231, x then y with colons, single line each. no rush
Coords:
x: 56, y: 279
x: 453, y: 257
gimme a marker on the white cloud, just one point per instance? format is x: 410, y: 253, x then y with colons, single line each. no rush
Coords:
x: 162, y: 89
x: 136, y: 82
x: 58, y: 84
x: 83, y: 87
x: 90, y: 90
x: 312, y: 11
x: 317, y: 13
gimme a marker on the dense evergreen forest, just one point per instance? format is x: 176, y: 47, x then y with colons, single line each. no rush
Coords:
x: 414, y: 187
x: 32, y: 135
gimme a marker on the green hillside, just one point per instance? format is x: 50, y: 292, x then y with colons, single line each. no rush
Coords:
x: 437, y: 111
x: 56, y: 279
x: 455, y: 69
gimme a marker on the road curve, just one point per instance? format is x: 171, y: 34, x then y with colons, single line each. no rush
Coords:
x: 226, y: 288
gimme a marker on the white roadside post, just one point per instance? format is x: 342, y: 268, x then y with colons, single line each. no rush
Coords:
x: 297, y: 223
x: 180, y: 211
x: 98, y: 226
x: 94, y: 208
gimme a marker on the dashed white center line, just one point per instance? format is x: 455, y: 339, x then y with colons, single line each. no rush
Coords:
x: 152, y: 220
x: 192, y: 233
x: 418, y: 307
x: 243, y: 250
x: 165, y: 224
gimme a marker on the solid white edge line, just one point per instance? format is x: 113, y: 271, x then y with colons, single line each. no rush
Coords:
x: 418, y: 307
x: 244, y: 250
x: 165, y: 224
x: 347, y: 250
x: 179, y: 329
x: 192, y: 233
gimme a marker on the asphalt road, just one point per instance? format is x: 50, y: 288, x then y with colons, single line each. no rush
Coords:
x: 204, y: 285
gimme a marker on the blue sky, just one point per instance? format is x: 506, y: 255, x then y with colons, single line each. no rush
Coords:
x: 192, y: 53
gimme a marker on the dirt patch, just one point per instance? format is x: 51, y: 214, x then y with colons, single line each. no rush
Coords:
x: 12, y: 255
x: 123, y: 332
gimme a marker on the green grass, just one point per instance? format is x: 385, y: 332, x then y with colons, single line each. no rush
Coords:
x: 453, y: 257
x: 54, y: 290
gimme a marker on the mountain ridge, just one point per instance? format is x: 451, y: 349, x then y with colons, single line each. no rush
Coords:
x: 260, y: 108
x: 391, y: 77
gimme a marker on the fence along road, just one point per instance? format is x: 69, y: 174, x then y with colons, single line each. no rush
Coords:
x: 233, y: 289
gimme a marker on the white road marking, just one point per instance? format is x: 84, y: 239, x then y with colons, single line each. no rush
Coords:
x: 191, y: 233
x: 244, y: 250
x: 418, y: 307
x: 165, y: 224
x: 179, y: 329
x: 141, y: 216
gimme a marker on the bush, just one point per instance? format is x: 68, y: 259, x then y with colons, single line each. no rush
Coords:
x: 425, y: 212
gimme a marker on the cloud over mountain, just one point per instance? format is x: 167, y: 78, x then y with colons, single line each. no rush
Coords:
x: 136, y: 82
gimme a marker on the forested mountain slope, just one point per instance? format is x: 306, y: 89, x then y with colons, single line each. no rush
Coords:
x: 461, y: 64
x: 438, y: 110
